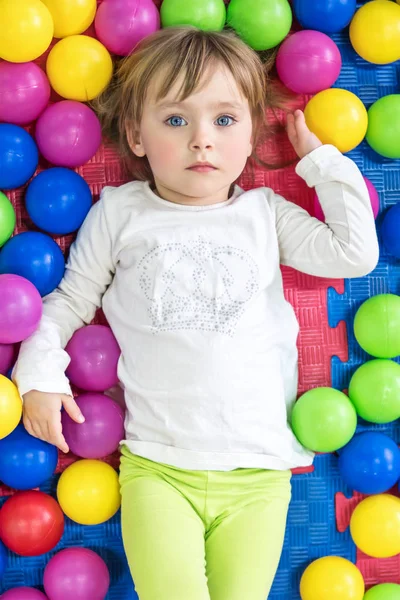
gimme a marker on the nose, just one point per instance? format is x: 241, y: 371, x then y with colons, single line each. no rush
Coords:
x: 201, y: 138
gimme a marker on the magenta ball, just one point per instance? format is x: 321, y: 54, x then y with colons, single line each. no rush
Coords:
x: 373, y: 195
x: 23, y: 593
x: 8, y: 355
x: 94, y: 354
x: 102, y: 430
x: 76, y: 574
x: 20, y: 308
x: 68, y: 133
x: 24, y: 92
x: 308, y: 62
x: 121, y: 24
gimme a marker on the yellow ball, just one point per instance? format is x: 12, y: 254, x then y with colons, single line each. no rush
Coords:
x: 337, y: 117
x: 26, y: 30
x: 375, y: 32
x: 88, y: 492
x: 375, y: 526
x: 332, y: 578
x: 10, y: 407
x: 71, y: 16
x: 79, y: 68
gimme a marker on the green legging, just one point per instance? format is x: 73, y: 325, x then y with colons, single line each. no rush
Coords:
x: 202, y: 535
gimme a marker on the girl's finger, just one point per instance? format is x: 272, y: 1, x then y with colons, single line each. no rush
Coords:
x: 300, y: 123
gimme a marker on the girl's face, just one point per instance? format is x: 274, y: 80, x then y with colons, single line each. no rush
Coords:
x: 212, y: 126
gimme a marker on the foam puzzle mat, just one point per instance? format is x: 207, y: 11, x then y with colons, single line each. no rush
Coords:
x: 328, y: 355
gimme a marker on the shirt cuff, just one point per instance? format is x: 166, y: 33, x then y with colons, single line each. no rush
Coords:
x: 50, y: 387
x: 313, y: 167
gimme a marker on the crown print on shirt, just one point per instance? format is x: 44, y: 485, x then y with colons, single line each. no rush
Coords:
x: 197, y: 285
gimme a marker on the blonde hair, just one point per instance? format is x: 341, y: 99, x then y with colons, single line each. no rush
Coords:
x: 184, y: 52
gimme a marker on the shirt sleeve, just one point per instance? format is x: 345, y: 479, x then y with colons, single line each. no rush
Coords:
x: 346, y: 244
x: 89, y: 271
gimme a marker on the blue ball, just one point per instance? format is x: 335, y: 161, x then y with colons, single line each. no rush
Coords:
x: 370, y: 463
x: 328, y: 16
x: 19, y: 156
x: 3, y: 558
x: 390, y: 231
x: 25, y: 461
x: 35, y: 256
x: 58, y: 200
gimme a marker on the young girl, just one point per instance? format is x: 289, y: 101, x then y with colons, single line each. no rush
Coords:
x: 186, y: 267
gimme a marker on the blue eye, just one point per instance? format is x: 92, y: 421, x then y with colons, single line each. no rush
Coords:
x: 225, y: 121
x: 176, y: 121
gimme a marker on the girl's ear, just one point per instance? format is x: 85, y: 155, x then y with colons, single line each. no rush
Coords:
x: 135, y: 142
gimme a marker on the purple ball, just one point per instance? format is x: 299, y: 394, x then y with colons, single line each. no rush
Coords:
x: 102, y: 430
x: 23, y: 593
x: 308, y: 62
x: 20, y: 308
x: 68, y: 133
x: 24, y: 92
x: 78, y: 574
x: 94, y: 353
x: 8, y: 355
x: 121, y: 24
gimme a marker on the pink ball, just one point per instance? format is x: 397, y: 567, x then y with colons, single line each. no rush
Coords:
x: 8, y: 355
x: 94, y: 353
x: 308, y: 62
x: 102, y: 430
x: 121, y: 24
x: 68, y: 133
x: 76, y: 574
x: 23, y: 593
x: 373, y: 195
x: 24, y: 92
x: 20, y: 308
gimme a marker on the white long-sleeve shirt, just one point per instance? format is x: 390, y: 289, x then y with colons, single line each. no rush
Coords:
x: 195, y: 299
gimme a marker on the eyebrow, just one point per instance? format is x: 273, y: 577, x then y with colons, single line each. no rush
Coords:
x: 219, y: 105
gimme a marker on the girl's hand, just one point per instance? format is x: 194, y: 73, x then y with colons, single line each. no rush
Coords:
x: 42, y: 416
x: 301, y: 138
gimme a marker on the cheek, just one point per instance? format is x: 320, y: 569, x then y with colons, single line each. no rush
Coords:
x: 162, y: 150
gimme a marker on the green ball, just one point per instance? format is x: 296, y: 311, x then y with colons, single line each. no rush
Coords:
x: 377, y: 326
x: 262, y: 24
x: 375, y: 391
x: 384, y: 591
x: 209, y: 15
x: 383, y: 134
x: 7, y: 218
x: 324, y: 420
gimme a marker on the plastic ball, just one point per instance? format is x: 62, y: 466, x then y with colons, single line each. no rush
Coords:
x: 332, y: 578
x: 35, y: 256
x: 383, y: 134
x: 25, y: 92
x: 324, y: 419
x: 68, y: 134
x: 370, y: 463
x: 390, y: 230
x: 373, y: 196
x: 25, y: 461
x: 209, y: 15
x: 71, y: 17
x: 377, y: 326
x: 374, y: 390
x: 94, y: 354
x: 10, y: 407
x: 23, y: 593
x: 262, y: 24
x: 58, y: 200
x: 88, y: 492
x: 27, y: 30
x: 18, y: 156
x: 384, y: 591
x: 102, y: 430
x: 20, y: 308
x: 7, y: 218
x: 329, y: 16
x: 375, y: 32
x: 337, y: 117
x: 3, y: 559
x: 77, y: 573
x: 375, y: 526
x: 79, y: 67
x: 8, y: 355
x: 31, y: 523
x: 121, y: 24
x: 308, y: 62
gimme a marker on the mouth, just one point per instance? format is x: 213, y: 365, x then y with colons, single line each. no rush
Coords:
x: 202, y: 167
